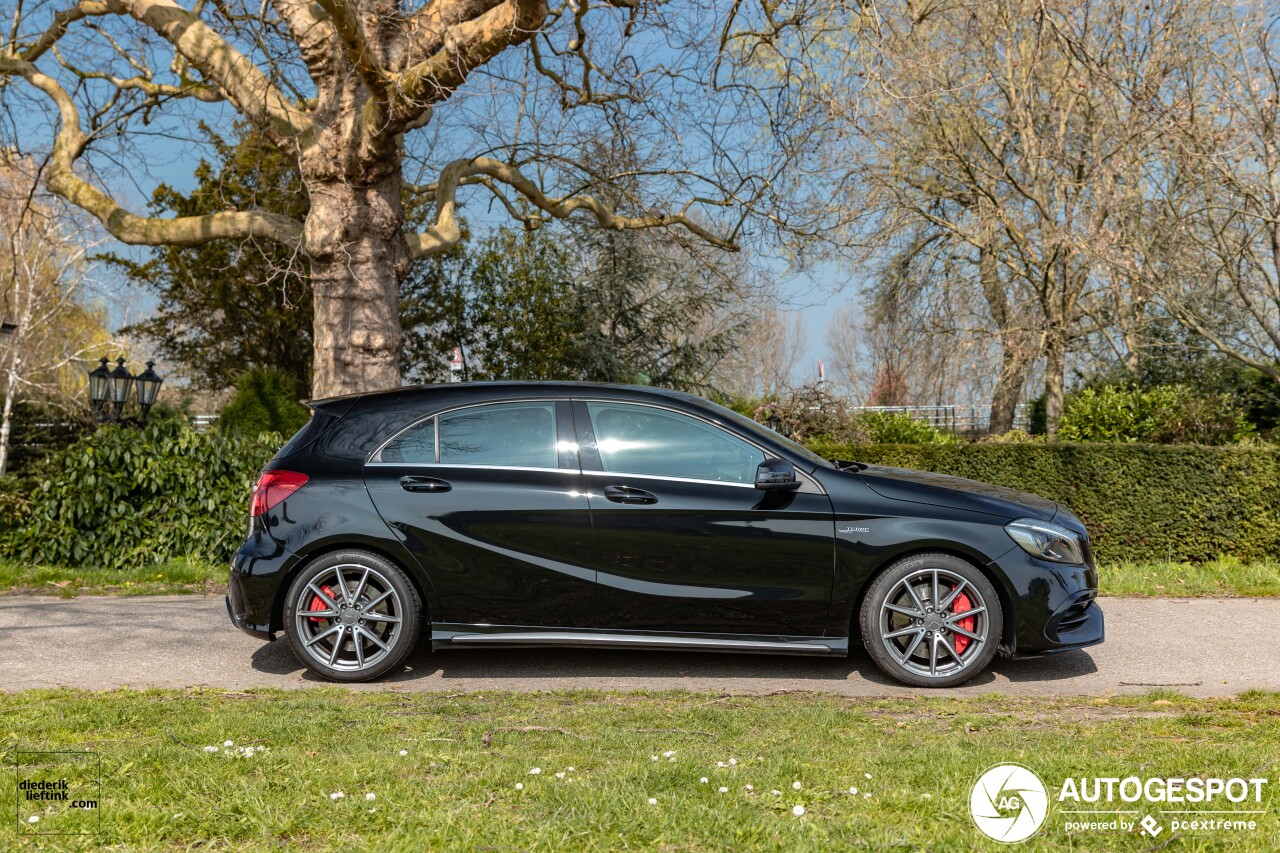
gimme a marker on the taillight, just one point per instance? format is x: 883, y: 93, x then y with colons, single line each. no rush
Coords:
x: 273, y: 487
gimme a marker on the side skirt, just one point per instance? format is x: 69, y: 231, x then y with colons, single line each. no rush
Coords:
x: 495, y: 636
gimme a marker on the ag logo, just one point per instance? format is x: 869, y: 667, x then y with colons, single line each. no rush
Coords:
x: 1009, y: 803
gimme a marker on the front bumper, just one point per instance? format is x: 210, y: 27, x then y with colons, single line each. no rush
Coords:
x: 1054, y: 605
x: 258, y: 571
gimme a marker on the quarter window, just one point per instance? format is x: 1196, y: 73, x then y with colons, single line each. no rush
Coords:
x: 645, y: 440
x: 415, y: 446
x: 508, y: 435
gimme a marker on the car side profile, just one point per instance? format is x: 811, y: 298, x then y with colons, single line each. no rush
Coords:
x: 513, y: 514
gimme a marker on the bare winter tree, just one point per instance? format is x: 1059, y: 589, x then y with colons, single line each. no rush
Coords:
x: 42, y: 296
x: 762, y: 363
x: 986, y: 125
x: 386, y: 103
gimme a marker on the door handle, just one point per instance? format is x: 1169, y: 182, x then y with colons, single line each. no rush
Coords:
x: 629, y: 495
x: 424, y: 484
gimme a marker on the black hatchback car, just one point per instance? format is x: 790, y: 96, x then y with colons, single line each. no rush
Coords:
x: 536, y: 514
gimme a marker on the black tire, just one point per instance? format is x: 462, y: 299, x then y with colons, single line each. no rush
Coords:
x: 374, y: 627
x: 901, y: 602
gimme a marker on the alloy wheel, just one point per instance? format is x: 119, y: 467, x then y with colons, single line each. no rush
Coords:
x: 934, y: 623
x: 349, y: 617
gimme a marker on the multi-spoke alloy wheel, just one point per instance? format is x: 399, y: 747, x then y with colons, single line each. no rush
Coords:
x: 351, y: 616
x: 931, y: 620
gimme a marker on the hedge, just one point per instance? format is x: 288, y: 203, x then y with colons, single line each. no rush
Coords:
x: 127, y: 497
x: 1139, y: 501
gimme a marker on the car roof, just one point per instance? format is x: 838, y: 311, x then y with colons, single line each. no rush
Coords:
x: 547, y: 388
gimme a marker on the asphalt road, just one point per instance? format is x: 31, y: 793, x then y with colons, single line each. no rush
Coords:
x: 1203, y: 647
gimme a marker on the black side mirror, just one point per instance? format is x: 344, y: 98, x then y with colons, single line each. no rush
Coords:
x: 777, y: 475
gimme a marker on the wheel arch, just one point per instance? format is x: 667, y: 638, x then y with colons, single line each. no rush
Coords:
x: 1008, y: 628
x: 420, y: 583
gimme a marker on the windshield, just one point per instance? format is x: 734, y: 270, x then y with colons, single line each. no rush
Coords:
x: 764, y: 432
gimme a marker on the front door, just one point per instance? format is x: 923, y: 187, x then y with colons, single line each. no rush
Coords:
x: 489, y: 500
x: 684, y: 541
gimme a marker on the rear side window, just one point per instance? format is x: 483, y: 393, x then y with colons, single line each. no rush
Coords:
x: 509, y: 435
x: 416, y: 445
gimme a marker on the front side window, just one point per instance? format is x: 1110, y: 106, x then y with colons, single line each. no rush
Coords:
x: 508, y: 435
x: 644, y: 440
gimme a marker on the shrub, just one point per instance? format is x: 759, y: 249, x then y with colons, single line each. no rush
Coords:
x: 266, y: 400
x: 1140, y: 501
x: 900, y: 428
x: 811, y: 413
x: 126, y: 496
x: 1164, y: 414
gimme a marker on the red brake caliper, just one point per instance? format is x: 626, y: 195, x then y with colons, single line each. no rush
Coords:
x: 960, y: 605
x: 318, y: 603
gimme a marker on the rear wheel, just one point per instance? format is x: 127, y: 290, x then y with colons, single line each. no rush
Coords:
x: 932, y: 620
x: 351, y: 616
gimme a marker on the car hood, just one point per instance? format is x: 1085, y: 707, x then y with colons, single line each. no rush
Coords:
x: 904, y: 484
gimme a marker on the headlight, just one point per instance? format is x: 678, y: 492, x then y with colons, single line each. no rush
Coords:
x: 1046, y: 541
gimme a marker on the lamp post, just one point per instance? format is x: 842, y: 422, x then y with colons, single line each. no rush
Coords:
x: 117, y: 385
x: 148, y: 382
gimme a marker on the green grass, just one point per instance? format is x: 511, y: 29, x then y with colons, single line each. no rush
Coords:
x: 455, y: 788
x: 168, y: 578
x: 1223, y: 577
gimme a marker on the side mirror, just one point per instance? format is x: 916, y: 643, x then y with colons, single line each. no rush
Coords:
x: 777, y: 475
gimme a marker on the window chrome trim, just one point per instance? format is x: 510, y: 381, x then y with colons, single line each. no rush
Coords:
x: 437, y: 465
x: 375, y: 458
x: 617, y: 474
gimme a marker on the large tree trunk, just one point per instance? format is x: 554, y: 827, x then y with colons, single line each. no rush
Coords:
x: 358, y: 259
x: 1055, y: 352
x: 1008, y: 392
x: 1013, y: 360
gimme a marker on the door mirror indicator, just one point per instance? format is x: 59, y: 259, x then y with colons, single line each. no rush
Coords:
x: 777, y: 475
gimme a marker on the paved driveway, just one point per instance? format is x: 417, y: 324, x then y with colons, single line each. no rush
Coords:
x: 1204, y: 647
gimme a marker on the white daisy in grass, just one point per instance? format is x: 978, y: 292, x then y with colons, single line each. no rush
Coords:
x: 704, y: 780
x: 867, y: 795
x: 798, y: 811
x: 560, y: 775
x: 776, y: 793
x: 721, y: 764
x: 569, y: 769
x: 336, y: 795
x: 519, y: 786
x: 210, y: 749
x: 228, y: 743
x: 795, y: 785
x: 653, y: 758
x: 535, y: 771
x: 868, y: 775
x: 669, y: 753
x: 35, y: 818
x: 404, y: 752
x: 733, y: 762
x: 853, y: 789
x: 928, y: 796
x: 750, y: 789
x: 653, y: 801
x: 724, y: 790
x: 371, y: 796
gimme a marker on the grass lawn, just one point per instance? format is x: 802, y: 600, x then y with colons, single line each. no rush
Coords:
x: 450, y: 771
x: 1225, y: 577
x: 168, y: 578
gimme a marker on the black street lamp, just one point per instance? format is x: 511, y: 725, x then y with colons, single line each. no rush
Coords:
x: 148, y: 382
x: 121, y: 385
x: 99, y: 388
x: 116, y: 386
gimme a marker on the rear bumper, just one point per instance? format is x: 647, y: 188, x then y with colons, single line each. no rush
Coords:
x: 258, y: 571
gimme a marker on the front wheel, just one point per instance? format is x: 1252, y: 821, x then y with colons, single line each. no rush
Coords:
x: 351, y: 616
x: 932, y: 620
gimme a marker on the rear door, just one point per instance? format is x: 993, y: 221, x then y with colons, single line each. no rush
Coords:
x: 684, y: 542
x: 489, y: 500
